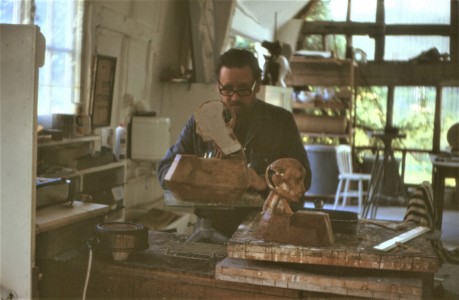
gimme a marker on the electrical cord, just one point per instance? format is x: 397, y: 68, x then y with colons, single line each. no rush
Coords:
x: 91, y: 242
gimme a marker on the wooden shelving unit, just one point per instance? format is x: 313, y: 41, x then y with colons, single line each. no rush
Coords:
x: 89, y: 138
x: 322, y: 71
x: 109, y: 177
x: 333, y: 117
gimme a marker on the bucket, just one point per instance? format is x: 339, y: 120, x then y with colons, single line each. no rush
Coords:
x: 324, y: 169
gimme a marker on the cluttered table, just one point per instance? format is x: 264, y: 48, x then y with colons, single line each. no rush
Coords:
x: 250, y: 268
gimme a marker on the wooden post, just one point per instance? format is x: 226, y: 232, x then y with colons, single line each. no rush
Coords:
x: 437, y: 120
x: 379, y: 38
x: 390, y: 105
x: 454, y: 36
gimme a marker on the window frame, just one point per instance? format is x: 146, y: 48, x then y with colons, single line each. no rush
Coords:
x: 25, y: 12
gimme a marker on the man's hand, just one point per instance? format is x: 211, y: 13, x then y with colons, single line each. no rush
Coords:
x: 256, y: 181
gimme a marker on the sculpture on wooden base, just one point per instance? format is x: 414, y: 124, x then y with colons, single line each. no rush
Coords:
x: 278, y: 222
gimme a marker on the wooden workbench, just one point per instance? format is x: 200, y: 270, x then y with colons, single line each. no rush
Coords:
x: 173, y: 268
x: 170, y: 269
x: 350, y: 266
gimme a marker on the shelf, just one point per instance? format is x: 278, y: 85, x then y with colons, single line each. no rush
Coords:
x: 89, y: 138
x: 56, y: 216
x: 320, y: 104
x: 318, y: 118
x: 323, y: 134
x: 322, y: 61
x: 323, y: 72
x: 109, y: 166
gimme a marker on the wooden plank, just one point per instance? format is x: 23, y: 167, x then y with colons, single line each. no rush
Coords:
x: 376, y: 73
x: 406, y: 73
x: 372, y: 29
x: 56, y: 216
x: 322, y: 72
x: 348, y: 250
x: 344, y: 281
x: 402, y: 238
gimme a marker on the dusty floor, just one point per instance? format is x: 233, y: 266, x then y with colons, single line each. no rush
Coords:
x: 447, y: 282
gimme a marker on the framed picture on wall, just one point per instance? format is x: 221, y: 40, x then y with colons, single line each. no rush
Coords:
x: 102, y: 93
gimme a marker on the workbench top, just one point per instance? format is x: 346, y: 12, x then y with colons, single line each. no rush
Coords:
x: 348, y: 250
x: 59, y: 215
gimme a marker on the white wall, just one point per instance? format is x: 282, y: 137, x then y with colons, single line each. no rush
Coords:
x: 180, y: 100
x: 146, y: 37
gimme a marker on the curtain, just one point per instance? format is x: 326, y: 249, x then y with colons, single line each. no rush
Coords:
x: 210, y: 23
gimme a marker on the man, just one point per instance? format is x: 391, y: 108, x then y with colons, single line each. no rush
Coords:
x: 266, y: 132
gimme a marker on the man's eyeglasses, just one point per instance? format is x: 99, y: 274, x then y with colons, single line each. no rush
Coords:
x: 241, y: 92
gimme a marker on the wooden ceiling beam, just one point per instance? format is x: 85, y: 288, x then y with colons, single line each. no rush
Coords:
x: 322, y: 72
x: 373, y: 29
x: 407, y: 74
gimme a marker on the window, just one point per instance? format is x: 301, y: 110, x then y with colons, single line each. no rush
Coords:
x: 407, y: 47
x: 397, y: 35
x: 363, y: 10
x: 60, y: 22
x: 403, y: 29
x: 366, y: 44
x: 449, y: 114
x: 414, y: 109
x: 417, y: 11
x: 371, y: 106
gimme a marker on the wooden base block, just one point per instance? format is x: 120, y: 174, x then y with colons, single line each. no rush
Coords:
x: 323, y: 279
x: 348, y: 250
x: 305, y: 228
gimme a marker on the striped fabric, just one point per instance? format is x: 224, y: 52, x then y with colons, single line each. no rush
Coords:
x: 421, y: 210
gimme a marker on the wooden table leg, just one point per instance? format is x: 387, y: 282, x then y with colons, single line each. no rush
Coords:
x: 439, y: 187
x: 427, y: 285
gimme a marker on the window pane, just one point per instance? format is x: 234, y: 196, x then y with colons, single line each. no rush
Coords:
x: 57, y: 68
x: 417, y: 11
x: 418, y: 168
x: 338, y: 10
x: 363, y: 10
x: 59, y: 77
x: 449, y: 114
x: 9, y: 11
x: 41, y: 15
x: 337, y: 44
x: 312, y: 42
x: 62, y: 24
x: 414, y: 110
x: 330, y: 10
x: 407, y: 47
x: 366, y: 44
x: 371, y: 110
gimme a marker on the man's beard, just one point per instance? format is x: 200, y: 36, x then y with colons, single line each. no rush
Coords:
x: 242, y: 123
x: 242, y: 111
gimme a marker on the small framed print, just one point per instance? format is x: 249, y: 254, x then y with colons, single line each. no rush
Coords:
x: 102, y: 93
